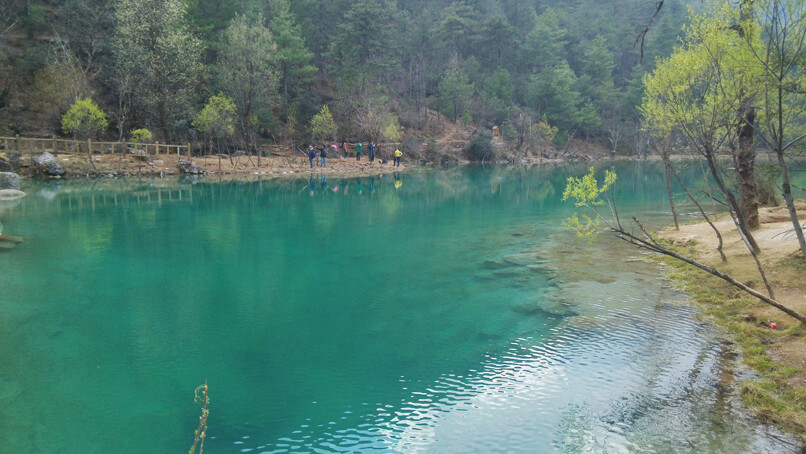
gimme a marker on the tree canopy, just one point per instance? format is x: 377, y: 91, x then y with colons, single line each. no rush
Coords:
x: 152, y: 63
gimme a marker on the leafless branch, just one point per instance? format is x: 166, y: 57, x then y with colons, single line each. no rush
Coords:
x: 642, y: 34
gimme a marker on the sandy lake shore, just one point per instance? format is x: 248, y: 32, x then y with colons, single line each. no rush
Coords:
x: 772, y: 344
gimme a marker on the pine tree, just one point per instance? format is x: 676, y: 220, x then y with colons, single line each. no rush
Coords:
x: 293, y: 57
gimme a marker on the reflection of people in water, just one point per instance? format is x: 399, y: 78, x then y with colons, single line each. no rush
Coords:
x: 311, y: 186
x: 372, y: 185
x: 398, y: 183
x: 323, y: 183
x: 360, y: 187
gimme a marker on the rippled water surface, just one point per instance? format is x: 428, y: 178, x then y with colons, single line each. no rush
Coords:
x: 442, y: 311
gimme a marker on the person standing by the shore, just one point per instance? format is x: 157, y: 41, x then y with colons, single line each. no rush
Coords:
x: 358, y: 151
x: 398, y: 154
x: 346, y: 149
x: 323, y: 156
x: 311, y: 154
x: 371, y: 148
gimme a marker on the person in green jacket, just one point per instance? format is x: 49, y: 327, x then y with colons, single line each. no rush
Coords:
x: 358, y: 151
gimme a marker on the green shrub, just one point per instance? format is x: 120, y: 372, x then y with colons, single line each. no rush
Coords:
x: 140, y: 136
x: 83, y: 119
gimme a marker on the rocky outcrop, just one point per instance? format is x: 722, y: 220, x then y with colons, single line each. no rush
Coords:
x: 48, y: 165
x: 9, y: 161
x: 187, y: 168
x: 9, y: 180
x: 140, y: 155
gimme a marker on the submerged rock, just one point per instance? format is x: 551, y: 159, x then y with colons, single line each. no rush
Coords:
x: 9, y: 180
x: 523, y: 259
x: 188, y: 168
x: 546, y: 305
x: 494, y: 265
x: 47, y: 164
x: 11, y: 194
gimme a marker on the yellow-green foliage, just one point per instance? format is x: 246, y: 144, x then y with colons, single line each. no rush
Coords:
x: 217, y: 119
x: 140, y: 136
x: 545, y: 130
x: 699, y: 88
x: 392, y: 131
x: 322, y: 124
x: 84, y: 118
x: 586, y: 192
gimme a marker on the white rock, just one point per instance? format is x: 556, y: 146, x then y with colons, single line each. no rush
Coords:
x: 11, y: 194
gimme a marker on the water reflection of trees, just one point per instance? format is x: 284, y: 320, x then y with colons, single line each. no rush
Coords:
x: 449, y: 188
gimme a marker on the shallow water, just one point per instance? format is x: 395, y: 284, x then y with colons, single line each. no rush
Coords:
x: 440, y: 311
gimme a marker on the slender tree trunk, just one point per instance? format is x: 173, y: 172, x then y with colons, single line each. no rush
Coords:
x: 705, y: 216
x: 666, y: 166
x: 708, y: 189
x: 732, y: 204
x: 786, y: 189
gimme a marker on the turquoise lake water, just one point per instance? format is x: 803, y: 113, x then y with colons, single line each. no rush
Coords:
x: 440, y: 311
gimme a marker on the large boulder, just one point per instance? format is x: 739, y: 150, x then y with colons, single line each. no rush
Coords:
x: 48, y: 165
x: 140, y: 155
x: 187, y: 168
x: 9, y: 180
x: 9, y: 161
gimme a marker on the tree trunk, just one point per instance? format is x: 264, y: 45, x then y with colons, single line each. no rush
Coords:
x: 745, y: 160
x: 666, y: 165
x: 786, y: 189
x: 745, y: 167
x: 733, y: 205
x: 705, y: 216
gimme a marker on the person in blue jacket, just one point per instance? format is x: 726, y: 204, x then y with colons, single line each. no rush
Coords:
x: 371, y: 148
x: 311, y: 154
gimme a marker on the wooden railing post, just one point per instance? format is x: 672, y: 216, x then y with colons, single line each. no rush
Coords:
x: 89, y: 147
x: 157, y: 148
x: 53, y: 142
x: 189, y: 152
x: 17, y: 142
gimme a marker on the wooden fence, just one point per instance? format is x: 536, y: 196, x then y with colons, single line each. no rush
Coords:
x: 55, y: 145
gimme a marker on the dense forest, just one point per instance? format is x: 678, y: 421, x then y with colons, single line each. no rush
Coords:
x: 543, y: 70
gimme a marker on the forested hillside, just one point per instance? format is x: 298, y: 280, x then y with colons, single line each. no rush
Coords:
x: 544, y: 70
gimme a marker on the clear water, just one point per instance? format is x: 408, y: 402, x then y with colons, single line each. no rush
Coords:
x: 442, y: 311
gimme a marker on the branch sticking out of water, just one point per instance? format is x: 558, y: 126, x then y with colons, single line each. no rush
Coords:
x: 201, y: 431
